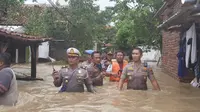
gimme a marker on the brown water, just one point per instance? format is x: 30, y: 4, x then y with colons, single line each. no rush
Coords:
x: 42, y: 96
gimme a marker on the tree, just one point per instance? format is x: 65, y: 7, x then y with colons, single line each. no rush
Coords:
x: 36, y: 24
x: 135, y: 23
x: 80, y: 23
x: 6, y: 6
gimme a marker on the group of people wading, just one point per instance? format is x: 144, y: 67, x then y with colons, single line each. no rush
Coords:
x: 92, y: 72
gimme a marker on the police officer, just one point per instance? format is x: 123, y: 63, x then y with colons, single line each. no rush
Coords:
x: 107, y: 60
x: 137, y: 73
x: 73, y: 78
x: 86, y: 63
x: 114, y: 70
x: 95, y: 70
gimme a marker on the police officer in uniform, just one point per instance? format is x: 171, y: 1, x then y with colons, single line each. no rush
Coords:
x: 137, y: 73
x: 107, y: 60
x: 72, y: 78
x: 86, y: 63
x: 95, y: 70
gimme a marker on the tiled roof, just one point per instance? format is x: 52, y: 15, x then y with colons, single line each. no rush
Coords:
x: 22, y: 37
x: 20, y: 16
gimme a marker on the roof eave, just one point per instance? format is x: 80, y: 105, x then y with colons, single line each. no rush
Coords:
x: 176, y: 15
x: 23, y: 37
x: 162, y: 8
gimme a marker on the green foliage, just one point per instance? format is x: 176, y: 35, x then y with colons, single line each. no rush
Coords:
x: 81, y: 24
x: 38, y: 27
x: 6, y: 10
x: 136, y: 25
x: 6, y: 4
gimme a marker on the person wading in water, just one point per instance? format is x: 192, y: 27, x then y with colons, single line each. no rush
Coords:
x: 114, y: 70
x: 8, y: 82
x: 137, y: 73
x: 73, y: 78
x: 95, y: 69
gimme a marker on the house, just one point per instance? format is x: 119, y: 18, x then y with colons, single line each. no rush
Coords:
x: 177, y: 17
x: 16, y: 44
x: 19, y: 18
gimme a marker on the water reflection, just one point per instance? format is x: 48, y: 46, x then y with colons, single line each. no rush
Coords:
x: 42, y: 96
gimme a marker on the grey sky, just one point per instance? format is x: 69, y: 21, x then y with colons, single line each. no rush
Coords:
x: 102, y: 3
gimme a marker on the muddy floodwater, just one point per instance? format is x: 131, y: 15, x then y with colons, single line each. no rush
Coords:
x: 42, y: 96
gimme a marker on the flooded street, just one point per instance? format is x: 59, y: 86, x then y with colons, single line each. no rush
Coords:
x: 42, y: 96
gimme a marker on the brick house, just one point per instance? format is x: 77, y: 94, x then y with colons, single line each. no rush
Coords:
x: 176, y: 16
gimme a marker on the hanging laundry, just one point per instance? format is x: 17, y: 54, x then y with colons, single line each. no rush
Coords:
x: 197, y: 70
x: 191, y: 47
x: 182, y: 70
x: 197, y: 66
x: 194, y: 83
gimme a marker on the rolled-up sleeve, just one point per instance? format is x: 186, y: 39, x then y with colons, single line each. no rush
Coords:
x: 88, y: 80
x: 58, y: 82
x: 124, y: 73
x: 88, y: 83
x: 5, y: 80
x: 150, y: 74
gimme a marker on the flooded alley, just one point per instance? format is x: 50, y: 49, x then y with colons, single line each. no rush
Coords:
x: 42, y: 96
x: 38, y: 35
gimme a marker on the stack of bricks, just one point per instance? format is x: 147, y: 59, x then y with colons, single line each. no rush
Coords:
x: 169, y: 55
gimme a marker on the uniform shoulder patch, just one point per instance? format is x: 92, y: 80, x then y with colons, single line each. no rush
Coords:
x: 130, y: 68
x: 65, y: 66
x: 65, y: 69
x: 145, y: 69
x: 82, y: 70
x: 149, y: 69
x: 83, y: 67
x: 114, y: 60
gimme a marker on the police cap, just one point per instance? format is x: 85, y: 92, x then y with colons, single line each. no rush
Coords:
x: 73, y: 52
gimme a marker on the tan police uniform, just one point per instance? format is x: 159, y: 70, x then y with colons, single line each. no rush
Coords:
x: 84, y: 64
x: 137, y: 76
x: 73, y: 80
x: 95, y: 75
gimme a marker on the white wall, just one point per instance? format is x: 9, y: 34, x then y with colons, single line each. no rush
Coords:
x: 18, y: 29
x: 43, y: 50
x: 152, y: 55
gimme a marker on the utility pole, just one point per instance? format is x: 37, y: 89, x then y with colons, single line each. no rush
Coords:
x: 95, y: 46
x: 73, y: 43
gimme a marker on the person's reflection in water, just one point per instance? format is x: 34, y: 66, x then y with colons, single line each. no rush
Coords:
x: 137, y: 73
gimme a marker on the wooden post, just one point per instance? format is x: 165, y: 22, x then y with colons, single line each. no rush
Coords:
x: 158, y: 61
x: 33, y: 77
x: 33, y: 61
x: 17, y: 56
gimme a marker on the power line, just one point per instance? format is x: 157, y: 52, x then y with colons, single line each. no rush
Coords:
x: 61, y: 13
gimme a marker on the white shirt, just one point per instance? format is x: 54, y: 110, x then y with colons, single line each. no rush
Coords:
x: 109, y: 69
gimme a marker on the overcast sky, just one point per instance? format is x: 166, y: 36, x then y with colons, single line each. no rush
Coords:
x: 102, y: 3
